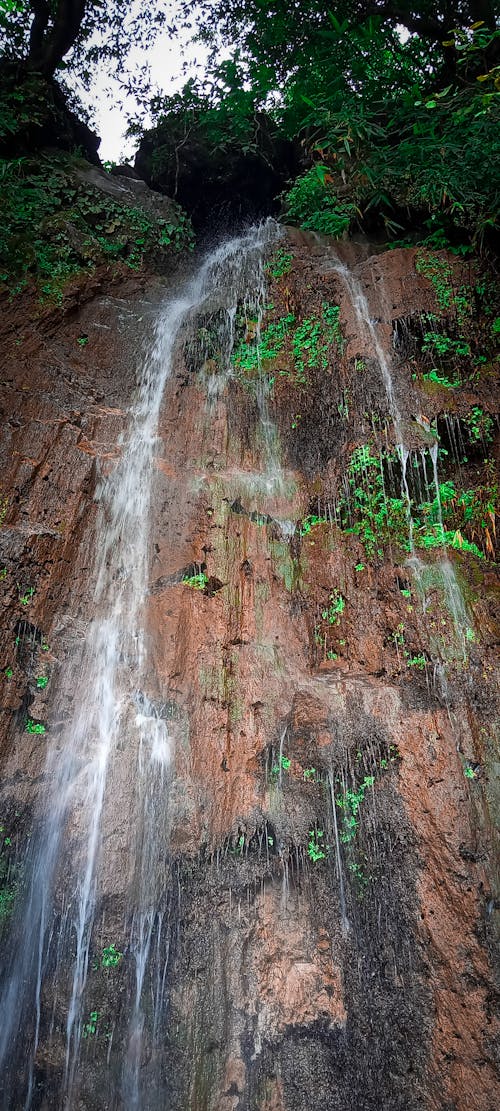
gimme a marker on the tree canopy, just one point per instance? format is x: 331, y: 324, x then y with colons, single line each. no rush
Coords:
x: 288, y: 34
x: 53, y: 35
x: 392, y: 107
x: 395, y: 129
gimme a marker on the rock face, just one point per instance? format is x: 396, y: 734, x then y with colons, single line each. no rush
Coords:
x: 324, y: 906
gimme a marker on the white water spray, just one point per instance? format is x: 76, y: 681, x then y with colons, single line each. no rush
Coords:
x: 83, y: 767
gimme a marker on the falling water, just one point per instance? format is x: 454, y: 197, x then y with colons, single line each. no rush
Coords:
x: 452, y: 592
x: 367, y: 328
x: 95, y: 791
x: 343, y: 909
x: 274, y: 478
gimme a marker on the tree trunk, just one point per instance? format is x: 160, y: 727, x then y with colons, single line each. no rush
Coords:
x: 49, y: 44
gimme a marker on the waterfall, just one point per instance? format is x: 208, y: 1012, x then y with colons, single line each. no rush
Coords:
x: 453, y: 596
x: 367, y: 328
x: 112, y: 758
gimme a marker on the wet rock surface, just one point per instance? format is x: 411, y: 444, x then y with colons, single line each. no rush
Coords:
x: 328, y: 882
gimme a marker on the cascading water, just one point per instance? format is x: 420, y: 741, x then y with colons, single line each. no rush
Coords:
x: 367, y: 329
x: 446, y: 572
x: 75, y: 852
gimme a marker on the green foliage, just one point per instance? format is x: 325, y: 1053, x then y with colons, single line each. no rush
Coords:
x: 440, y: 344
x: 441, y: 380
x: 394, y: 156
x: 250, y: 355
x: 280, y: 263
x: 316, y: 849
x: 309, y: 342
x: 111, y: 957
x: 42, y: 682
x: 283, y: 764
x: 480, y: 425
x: 368, y: 510
x: 198, y: 582
x: 335, y: 608
x: 34, y: 726
x: 26, y: 596
x: 462, y: 521
x: 9, y: 882
x: 349, y: 802
x: 310, y: 522
x: 312, y: 205
x: 56, y: 227
x: 419, y: 662
x: 87, y: 34
x: 89, y: 1028
x: 221, y: 119
x: 21, y: 107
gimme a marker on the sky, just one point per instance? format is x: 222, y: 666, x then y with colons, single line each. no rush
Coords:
x: 166, y: 60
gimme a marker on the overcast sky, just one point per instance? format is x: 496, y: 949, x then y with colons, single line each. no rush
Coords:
x: 166, y: 60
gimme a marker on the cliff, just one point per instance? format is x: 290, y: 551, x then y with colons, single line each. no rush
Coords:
x: 276, y: 889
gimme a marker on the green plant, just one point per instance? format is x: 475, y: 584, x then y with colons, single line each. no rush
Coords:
x: 283, y: 763
x: 350, y: 803
x: 359, y: 874
x: 309, y: 773
x: 310, y: 205
x: 331, y: 316
x: 280, y: 263
x: 310, y: 522
x: 41, y: 682
x: 368, y: 510
x: 335, y: 609
x: 76, y: 227
x: 398, y: 636
x: 264, y: 346
x: 111, y: 957
x: 25, y: 598
x: 9, y: 883
x: 34, y: 726
x: 441, y: 379
x: 8, y: 673
x: 316, y: 849
x: 443, y: 345
x: 89, y: 1028
x: 439, y: 273
x: 480, y: 425
x: 419, y: 661
x: 82, y: 340
x: 197, y: 582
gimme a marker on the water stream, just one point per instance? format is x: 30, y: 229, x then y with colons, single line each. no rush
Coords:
x: 111, y: 764
x: 453, y: 597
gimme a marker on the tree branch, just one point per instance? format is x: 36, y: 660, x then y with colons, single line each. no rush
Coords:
x: 49, y: 45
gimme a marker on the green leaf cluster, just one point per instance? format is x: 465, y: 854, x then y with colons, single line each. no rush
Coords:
x: 56, y: 227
